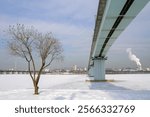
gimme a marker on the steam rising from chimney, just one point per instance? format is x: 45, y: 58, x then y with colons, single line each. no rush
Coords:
x: 133, y: 58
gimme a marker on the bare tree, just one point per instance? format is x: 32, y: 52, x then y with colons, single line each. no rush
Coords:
x: 26, y: 41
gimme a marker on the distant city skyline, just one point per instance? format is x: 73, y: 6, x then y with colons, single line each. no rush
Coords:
x: 72, y: 22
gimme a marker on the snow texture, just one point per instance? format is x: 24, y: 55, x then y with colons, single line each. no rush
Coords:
x: 75, y: 87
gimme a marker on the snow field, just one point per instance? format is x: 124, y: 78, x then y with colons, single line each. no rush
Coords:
x: 75, y: 87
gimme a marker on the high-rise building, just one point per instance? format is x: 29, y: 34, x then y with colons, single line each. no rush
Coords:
x: 75, y: 67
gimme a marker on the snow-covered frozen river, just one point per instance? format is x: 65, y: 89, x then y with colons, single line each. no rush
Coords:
x: 75, y: 87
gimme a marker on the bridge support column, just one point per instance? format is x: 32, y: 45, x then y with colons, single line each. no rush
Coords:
x: 91, y: 71
x: 99, y: 68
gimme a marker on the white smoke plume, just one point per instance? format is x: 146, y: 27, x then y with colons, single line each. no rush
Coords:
x: 133, y: 58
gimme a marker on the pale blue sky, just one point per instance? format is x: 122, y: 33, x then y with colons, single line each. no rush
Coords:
x: 72, y: 22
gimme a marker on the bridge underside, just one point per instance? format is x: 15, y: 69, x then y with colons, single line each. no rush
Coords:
x: 113, y: 16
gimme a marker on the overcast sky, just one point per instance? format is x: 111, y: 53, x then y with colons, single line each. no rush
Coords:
x: 72, y: 22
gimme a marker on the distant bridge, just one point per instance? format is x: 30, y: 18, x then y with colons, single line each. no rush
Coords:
x: 13, y: 72
x: 18, y: 72
x: 113, y: 16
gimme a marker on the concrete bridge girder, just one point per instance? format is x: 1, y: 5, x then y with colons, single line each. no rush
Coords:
x: 113, y: 17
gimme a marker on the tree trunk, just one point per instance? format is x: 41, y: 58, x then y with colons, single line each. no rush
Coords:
x: 36, y: 81
x: 36, y: 88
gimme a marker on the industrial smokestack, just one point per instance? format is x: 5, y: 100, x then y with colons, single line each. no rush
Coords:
x: 133, y: 58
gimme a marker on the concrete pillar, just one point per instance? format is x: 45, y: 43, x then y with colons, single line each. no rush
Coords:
x: 91, y: 71
x: 99, y: 68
